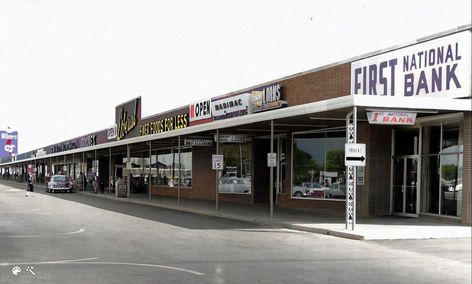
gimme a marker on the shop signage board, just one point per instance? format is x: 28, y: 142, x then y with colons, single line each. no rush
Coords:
x: 225, y: 138
x: 200, y: 112
x: 391, y: 117
x: 127, y: 118
x: 267, y: 98
x: 435, y: 68
x: 164, y: 124
x: 8, y: 143
x: 354, y: 155
x: 198, y: 142
x: 230, y: 107
x: 271, y: 160
x: 217, y: 162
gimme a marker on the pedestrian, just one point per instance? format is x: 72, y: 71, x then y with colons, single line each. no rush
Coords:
x: 30, y: 190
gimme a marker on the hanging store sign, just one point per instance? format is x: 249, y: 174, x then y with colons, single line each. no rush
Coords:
x: 436, y: 68
x: 8, y: 143
x: 127, y: 117
x: 391, y: 118
x: 230, y: 107
x: 200, y: 112
x: 232, y: 138
x: 267, y: 98
x: 175, y: 122
x: 198, y: 142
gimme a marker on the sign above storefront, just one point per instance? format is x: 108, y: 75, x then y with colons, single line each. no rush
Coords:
x: 267, y: 98
x: 224, y: 138
x: 198, y: 142
x: 127, y: 117
x: 8, y: 143
x: 391, y: 117
x: 436, y: 68
x: 229, y: 107
x: 200, y: 112
x: 177, y: 121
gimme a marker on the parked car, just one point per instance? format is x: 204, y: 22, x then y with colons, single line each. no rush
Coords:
x: 234, y: 185
x: 60, y: 183
x: 309, y: 189
x: 336, y: 190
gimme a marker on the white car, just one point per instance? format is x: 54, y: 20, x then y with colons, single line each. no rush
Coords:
x: 59, y: 183
x: 336, y: 190
x: 234, y: 185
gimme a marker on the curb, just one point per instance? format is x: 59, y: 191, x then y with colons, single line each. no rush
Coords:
x: 255, y: 221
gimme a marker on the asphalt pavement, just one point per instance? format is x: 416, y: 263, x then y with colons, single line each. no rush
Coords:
x: 74, y: 238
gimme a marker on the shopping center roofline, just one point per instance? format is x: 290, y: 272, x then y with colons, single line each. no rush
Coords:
x: 314, y: 107
x: 414, y: 104
x: 355, y: 58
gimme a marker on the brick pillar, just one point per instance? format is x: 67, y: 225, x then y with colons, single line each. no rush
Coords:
x: 467, y: 170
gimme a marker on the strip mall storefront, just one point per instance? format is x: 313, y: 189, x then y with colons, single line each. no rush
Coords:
x: 413, y: 111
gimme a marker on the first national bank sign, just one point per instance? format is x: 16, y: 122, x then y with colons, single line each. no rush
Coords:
x: 436, y: 68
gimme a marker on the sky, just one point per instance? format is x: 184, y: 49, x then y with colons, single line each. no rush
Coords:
x: 66, y: 64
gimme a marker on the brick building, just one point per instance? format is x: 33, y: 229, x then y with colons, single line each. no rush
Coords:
x: 411, y: 105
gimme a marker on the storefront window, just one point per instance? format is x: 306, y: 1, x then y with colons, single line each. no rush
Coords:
x: 318, y: 165
x: 236, y: 175
x: 167, y: 169
x: 442, y: 184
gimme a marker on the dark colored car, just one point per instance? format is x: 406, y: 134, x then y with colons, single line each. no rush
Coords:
x: 59, y: 183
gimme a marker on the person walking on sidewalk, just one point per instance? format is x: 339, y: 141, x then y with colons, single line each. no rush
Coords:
x: 30, y: 190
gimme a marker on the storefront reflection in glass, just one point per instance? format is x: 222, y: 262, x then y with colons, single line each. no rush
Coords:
x: 318, y: 165
x: 166, y: 170
x: 236, y: 175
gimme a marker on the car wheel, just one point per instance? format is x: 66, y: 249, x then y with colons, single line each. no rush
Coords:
x: 51, y: 190
x: 298, y: 194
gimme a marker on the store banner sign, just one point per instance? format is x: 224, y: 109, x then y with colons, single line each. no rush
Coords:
x: 200, y: 112
x: 198, y: 142
x: 391, y: 117
x: 267, y: 98
x: 229, y: 107
x: 8, y: 143
x: 436, y: 68
x: 127, y: 118
x: 223, y: 138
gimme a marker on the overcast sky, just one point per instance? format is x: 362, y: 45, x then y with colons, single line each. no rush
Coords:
x: 66, y: 64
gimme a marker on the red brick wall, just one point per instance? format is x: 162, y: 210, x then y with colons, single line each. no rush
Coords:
x: 467, y: 174
x: 321, y: 85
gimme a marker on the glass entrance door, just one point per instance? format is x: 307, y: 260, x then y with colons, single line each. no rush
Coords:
x: 405, y: 185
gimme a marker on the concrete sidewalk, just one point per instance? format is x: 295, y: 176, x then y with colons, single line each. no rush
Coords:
x: 315, y: 221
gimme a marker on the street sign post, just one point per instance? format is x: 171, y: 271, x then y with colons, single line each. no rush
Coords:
x: 271, y: 160
x: 354, y: 155
x: 217, y: 162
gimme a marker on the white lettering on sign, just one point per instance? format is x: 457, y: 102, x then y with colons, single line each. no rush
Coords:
x: 392, y: 118
x: 435, y: 68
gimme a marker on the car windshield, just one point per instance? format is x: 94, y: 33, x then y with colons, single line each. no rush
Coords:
x: 59, y: 178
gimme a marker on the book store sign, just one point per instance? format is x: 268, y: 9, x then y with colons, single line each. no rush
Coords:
x: 267, y: 98
x: 198, y: 142
x: 232, y: 138
x: 391, y: 117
